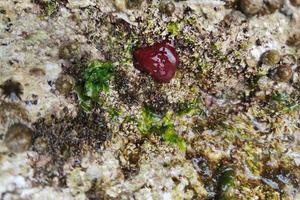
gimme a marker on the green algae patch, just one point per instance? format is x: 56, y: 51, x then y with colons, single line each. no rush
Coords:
x: 169, y: 135
x: 84, y: 101
x: 114, y: 112
x: 50, y: 8
x: 193, y: 107
x: 152, y: 123
x: 283, y: 102
x: 96, y: 79
x: 37, y: 37
x: 226, y: 183
x: 149, y: 122
x: 174, y: 28
x: 253, y: 160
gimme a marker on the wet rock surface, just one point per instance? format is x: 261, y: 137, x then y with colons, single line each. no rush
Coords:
x: 91, y: 125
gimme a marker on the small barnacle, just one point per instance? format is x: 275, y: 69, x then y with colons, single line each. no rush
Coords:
x: 18, y: 138
x: 64, y: 84
x: 270, y: 6
x: 133, y: 3
x: 12, y: 89
x: 167, y: 7
x: 120, y: 5
x: 294, y: 40
x: 13, y: 110
x: 250, y: 7
x: 271, y: 57
x: 283, y: 73
x: 295, y: 2
x: 70, y: 50
x: 37, y: 72
x: 229, y: 4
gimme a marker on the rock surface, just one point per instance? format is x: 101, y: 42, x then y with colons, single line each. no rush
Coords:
x: 223, y: 108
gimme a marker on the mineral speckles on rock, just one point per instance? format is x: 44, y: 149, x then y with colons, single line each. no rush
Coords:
x: 37, y: 72
x: 41, y: 145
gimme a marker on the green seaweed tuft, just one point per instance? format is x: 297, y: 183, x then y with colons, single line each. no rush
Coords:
x: 96, y: 79
x: 226, y: 182
x: 173, y: 28
x: 152, y: 123
x: 97, y: 76
x: 190, y: 108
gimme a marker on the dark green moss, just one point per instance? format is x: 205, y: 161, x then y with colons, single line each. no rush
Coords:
x: 50, y: 7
